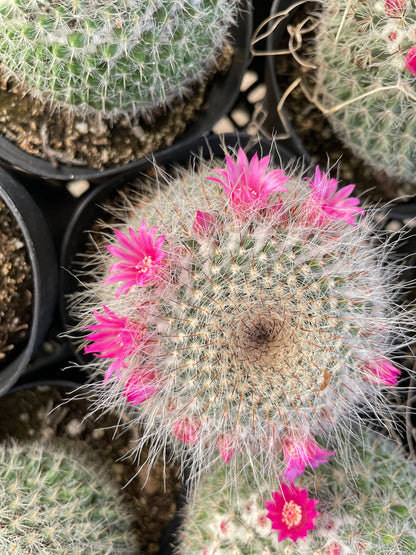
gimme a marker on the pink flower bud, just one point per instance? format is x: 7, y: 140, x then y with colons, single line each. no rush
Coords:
x: 187, y: 430
x: 204, y: 224
x: 395, y: 8
x: 411, y: 60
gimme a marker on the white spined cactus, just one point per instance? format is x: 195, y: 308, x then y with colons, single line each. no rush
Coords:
x: 113, y: 57
x: 242, y: 309
x: 366, y: 503
x: 59, y: 499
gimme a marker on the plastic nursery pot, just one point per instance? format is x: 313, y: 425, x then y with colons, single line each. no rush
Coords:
x: 91, y: 208
x: 42, y: 259
x: 219, y: 99
x: 278, y: 121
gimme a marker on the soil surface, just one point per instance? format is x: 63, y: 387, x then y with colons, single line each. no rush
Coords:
x: 15, y: 287
x: 45, y: 413
x: 60, y: 136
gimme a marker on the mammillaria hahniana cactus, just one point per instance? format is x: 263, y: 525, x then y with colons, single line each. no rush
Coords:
x: 54, y: 499
x: 363, y: 501
x: 366, y: 58
x: 243, y: 309
x: 113, y: 56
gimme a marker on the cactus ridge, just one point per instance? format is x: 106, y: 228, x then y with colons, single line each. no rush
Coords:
x: 367, y: 504
x: 55, y: 500
x: 258, y: 329
x: 363, y: 80
x: 113, y: 57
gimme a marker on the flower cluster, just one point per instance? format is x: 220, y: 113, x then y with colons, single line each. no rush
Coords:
x: 248, y: 314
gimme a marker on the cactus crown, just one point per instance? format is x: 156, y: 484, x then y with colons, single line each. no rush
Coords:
x: 242, y: 311
x: 117, y: 56
x: 55, y: 500
x: 366, y: 58
x: 366, y: 503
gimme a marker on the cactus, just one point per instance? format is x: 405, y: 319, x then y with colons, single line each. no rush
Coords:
x: 366, y: 79
x: 366, y: 504
x: 113, y: 57
x: 54, y: 499
x: 242, y: 310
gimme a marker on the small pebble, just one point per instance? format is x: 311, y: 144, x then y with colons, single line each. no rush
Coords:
x: 74, y: 427
x: 82, y: 127
x: 77, y: 188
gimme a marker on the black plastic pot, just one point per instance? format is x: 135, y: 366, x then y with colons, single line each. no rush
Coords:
x: 219, y: 99
x: 90, y: 208
x: 275, y: 124
x: 42, y: 258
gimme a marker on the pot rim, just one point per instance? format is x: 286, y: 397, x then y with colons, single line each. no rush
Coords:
x: 220, y: 98
x: 41, y: 255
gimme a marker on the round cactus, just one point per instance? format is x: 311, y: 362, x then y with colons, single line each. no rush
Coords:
x: 116, y: 56
x: 366, y: 503
x: 243, y: 309
x: 53, y: 499
x: 366, y: 59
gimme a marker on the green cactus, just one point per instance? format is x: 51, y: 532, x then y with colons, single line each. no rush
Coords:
x: 114, y: 56
x: 366, y: 500
x: 366, y: 80
x: 54, y: 499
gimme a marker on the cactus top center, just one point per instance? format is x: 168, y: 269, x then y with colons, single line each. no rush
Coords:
x: 262, y: 337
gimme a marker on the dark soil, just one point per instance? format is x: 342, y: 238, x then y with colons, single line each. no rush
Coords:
x: 15, y: 287
x: 57, y: 135
x: 314, y: 129
x: 44, y: 413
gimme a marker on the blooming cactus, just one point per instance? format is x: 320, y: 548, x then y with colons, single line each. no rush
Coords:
x: 363, y: 501
x: 241, y: 310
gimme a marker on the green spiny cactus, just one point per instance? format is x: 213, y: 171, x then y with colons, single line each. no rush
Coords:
x: 239, y: 309
x: 366, y: 58
x: 112, y: 56
x: 366, y: 500
x: 54, y: 499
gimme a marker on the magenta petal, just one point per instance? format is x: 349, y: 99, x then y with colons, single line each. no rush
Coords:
x: 300, y: 452
x: 292, y: 513
x: 411, y: 60
x: 249, y: 184
x: 140, y: 387
x: 381, y: 371
x: 141, y: 258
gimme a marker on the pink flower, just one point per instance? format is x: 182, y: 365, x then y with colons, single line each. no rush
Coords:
x: 226, y: 447
x: 326, y: 203
x: 411, y: 60
x: 395, y: 8
x: 205, y: 224
x: 140, y: 386
x: 248, y: 184
x: 292, y: 513
x: 141, y: 257
x: 333, y: 549
x: 187, y: 430
x: 113, y: 337
x: 301, y: 452
x: 381, y: 371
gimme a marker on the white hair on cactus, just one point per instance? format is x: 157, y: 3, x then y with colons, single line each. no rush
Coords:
x: 272, y: 314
